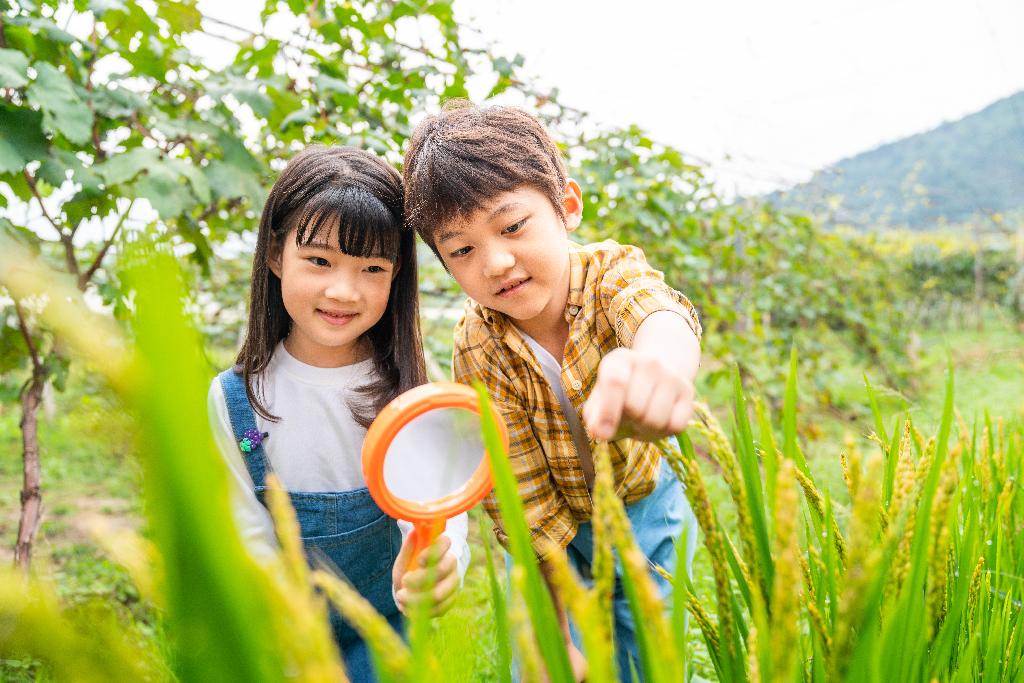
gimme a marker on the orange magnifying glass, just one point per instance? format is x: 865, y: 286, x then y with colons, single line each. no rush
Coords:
x: 424, y: 458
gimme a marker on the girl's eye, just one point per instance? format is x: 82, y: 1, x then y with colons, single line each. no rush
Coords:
x: 375, y: 269
x: 319, y: 261
x: 461, y: 252
x: 514, y: 228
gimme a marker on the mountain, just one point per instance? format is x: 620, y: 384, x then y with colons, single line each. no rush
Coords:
x: 953, y: 173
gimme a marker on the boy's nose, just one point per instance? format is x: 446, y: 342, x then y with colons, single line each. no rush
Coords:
x: 499, y: 262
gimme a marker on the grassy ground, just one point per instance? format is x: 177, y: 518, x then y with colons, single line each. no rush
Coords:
x: 89, y: 477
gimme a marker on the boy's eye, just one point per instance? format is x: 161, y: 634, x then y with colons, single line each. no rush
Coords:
x: 461, y: 252
x: 319, y: 261
x: 515, y: 227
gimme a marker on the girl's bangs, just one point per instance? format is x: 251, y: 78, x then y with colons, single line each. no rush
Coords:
x: 366, y: 227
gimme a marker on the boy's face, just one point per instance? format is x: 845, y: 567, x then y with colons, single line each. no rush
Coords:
x: 512, y: 255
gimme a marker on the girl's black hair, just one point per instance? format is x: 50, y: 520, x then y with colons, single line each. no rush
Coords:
x: 362, y: 194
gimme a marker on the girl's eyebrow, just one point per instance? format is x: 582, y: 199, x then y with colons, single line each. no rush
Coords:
x: 319, y: 245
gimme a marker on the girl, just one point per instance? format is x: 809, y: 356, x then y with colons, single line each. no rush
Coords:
x: 333, y: 335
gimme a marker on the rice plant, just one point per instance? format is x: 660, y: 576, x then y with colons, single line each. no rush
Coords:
x: 914, y: 572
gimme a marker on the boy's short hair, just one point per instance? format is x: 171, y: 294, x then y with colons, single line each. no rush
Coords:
x: 462, y: 158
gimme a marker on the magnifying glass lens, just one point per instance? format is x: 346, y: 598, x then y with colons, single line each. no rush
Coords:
x: 434, y: 455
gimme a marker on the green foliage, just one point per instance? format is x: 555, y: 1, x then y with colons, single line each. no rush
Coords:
x: 761, y: 279
x: 114, y: 133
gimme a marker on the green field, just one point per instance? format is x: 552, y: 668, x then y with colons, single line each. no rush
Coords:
x: 92, y: 479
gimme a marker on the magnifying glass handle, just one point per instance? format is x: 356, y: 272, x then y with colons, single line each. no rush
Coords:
x: 423, y: 534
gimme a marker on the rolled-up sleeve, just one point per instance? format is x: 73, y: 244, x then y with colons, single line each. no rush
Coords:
x: 631, y: 290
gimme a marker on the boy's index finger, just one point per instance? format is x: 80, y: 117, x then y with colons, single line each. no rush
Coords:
x: 603, y: 410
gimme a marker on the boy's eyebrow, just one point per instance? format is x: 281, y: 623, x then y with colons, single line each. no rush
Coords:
x: 448, y: 234
x: 507, y: 207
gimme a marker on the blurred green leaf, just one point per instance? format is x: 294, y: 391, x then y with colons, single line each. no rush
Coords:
x: 13, y: 69
x: 123, y: 167
x: 63, y: 110
x: 165, y: 190
x: 21, y: 138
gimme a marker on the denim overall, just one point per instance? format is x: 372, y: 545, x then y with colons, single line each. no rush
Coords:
x: 345, y: 528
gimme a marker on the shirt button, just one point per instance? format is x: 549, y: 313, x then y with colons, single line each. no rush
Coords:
x: 573, y: 310
x: 577, y: 385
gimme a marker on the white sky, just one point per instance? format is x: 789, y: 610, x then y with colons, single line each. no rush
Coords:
x: 783, y: 87
x: 767, y: 92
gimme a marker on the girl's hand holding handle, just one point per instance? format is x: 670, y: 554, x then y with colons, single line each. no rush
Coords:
x: 437, y: 584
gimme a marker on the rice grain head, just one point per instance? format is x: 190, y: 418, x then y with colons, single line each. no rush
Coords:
x: 373, y: 627
x: 531, y: 666
x: 786, y: 597
x: 865, y: 548
x: 719, y: 444
x: 714, y: 541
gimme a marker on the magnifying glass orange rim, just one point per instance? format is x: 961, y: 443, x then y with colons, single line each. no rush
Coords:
x: 386, y: 426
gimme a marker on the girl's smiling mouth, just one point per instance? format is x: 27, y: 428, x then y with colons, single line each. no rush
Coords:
x: 335, y: 317
x: 513, y: 286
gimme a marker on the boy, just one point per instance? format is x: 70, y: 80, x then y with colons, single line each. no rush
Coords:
x: 575, y: 344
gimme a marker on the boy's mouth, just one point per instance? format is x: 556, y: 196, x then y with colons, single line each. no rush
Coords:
x: 512, y: 286
x: 335, y: 317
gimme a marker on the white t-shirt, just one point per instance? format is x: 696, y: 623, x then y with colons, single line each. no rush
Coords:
x: 553, y: 372
x: 315, y: 446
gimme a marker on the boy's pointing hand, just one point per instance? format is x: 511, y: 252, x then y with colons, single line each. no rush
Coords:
x: 638, y: 395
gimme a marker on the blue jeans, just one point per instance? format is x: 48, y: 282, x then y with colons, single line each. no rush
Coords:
x: 658, y: 521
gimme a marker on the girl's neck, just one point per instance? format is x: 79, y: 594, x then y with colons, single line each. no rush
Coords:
x: 317, y: 355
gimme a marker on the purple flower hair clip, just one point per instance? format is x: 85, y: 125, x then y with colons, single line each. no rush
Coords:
x: 251, y: 439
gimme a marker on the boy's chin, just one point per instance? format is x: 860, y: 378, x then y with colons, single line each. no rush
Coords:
x: 521, y: 313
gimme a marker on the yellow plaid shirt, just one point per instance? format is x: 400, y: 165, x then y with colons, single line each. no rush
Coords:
x: 612, y: 290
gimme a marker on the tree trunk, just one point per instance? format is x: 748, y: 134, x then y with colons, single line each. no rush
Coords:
x: 31, y: 499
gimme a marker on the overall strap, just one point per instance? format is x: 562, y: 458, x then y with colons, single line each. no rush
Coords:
x: 243, y: 423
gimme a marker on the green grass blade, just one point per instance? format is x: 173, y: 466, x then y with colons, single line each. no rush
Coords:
x: 752, y: 483
x: 504, y: 638
x: 790, y: 448
x: 538, y: 598
x: 187, y: 498
x: 679, y: 596
x: 769, y: 452
x: 876, y: 413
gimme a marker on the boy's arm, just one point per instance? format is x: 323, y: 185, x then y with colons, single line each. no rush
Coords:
x: 646, y: 392
x: 644, y: 388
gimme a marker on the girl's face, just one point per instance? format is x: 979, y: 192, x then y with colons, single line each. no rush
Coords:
x: 332, y: 299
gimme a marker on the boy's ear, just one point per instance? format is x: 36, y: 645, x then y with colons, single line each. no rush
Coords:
x: 572, y: 202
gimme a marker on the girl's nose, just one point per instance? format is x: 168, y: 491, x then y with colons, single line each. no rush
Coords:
x: 341, y: 288
x: 498, y: 262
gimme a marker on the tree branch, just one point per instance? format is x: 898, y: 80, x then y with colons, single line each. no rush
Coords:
x: 66, y: 235
x: 212, y: 208
x: 90, y: 63
x: 86, y: 277
x: 23, y: 327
